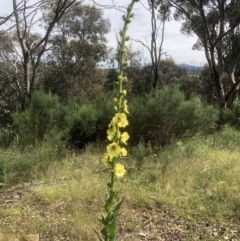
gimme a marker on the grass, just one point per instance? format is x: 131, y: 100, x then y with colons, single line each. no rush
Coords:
x: 194, y: 181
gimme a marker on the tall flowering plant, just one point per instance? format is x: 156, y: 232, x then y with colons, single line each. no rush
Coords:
x: 118, y: 139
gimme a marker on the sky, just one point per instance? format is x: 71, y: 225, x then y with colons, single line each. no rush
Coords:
x: 175, y: 44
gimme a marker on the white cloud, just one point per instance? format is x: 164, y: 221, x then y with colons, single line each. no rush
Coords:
x: 178, y: 46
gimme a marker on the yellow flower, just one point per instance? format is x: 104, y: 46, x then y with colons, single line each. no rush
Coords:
x: 111, y: 131
x: 123, y: 151
x: 105, y: 159
x: 115, y: 100
x: 119, y: 170
x: 124, y: 137
x: 113, y: 150
x: 125, y: 107
x: 120, y: 119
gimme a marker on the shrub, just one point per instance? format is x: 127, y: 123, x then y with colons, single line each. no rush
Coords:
x: 140, y: 152
x: 82, y: 124
x: 6, y: 136
x: 44, y: 113
x: 6, y: 158
x: 165, y: 116
x: 227, y: 137
x: 34, y: 162
x: 105, y: 108
x: 231, y: 116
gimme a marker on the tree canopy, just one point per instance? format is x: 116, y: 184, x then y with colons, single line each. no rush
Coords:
x: 216, y: 24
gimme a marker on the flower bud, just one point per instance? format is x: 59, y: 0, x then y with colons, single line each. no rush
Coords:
x: 124, y: 92
x: 129, y: 20
x: 120, y: 78
x: 115, y: 100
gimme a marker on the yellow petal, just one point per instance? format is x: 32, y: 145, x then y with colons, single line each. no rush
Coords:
x: 120, y: 119
x: 113, y: 150
x: 124, y: 137
x: 119, y: 170
x: 124, y: 151
x: 105, y: 159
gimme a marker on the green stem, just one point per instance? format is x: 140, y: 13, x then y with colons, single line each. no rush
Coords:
x: 122, y: 50
x: 109, y: 221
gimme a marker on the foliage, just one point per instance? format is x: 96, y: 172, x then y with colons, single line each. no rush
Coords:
x: 140, y: 152
x: 227, y: 137
x: 231, y: 116
x: 104, y: 105
x: 34, y: 162
x: 199, y: 188
x: 44, y: 113
x: 6, y: 136
x: 169, y: 72
x: 216, y: 24
x: 117, y: 138
x: 81, y: 121
x: 77, y: 48
x: 10, y: 98
x: 190, y: 85
x: 28, y: 47
x: 165, y: 115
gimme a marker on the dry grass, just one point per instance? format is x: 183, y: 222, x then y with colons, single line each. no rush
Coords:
x: 196, y: 181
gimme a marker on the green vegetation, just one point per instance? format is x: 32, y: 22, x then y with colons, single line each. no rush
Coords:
x: 182, y: 168
x: 196, y: 181
x: 48, y: 123
x: 192, y: 176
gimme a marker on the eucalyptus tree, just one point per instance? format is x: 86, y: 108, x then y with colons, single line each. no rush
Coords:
x: 216, y: 24
x: 79, y: 43
x: 24, y: 25
x: 159, y: 15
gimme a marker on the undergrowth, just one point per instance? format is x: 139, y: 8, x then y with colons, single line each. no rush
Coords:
x: 196, y: 180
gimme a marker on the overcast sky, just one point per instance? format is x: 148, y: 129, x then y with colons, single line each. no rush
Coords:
x: 178, y: 46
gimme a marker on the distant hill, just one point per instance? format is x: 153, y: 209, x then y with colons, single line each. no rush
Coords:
x: 191, y: 69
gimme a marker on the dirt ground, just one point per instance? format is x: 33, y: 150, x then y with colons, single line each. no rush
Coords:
x: 146, y: 223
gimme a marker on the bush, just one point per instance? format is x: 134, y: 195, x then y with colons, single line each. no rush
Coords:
x: 165, y: 116
x: 140, y: 152
x: 82, y: 124
x: 6, y: 158
x: 44, y: 113
x: 105, y: 108
x: 34, y: 162
x: 231, y: 116
x: 227, y: 137
x: 6, y: 136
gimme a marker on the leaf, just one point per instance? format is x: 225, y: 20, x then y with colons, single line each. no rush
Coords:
x: 103, y: 218
x: 116, y: 209
x: 112, y: 229
x: 100, y: 239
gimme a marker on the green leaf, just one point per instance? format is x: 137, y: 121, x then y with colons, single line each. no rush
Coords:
x: 100, y: 239
x: 116, y: 209
x: 103, y: 218
x: 104, y: 232
x: 112, y: 229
